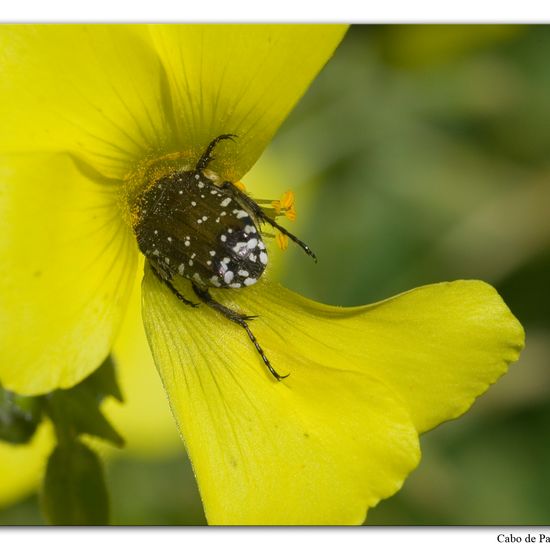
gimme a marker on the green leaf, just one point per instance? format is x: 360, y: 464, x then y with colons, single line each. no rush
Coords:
x: 19, y: 417
x: 74, y: 491
x: 104, y: 381
x: 76, y: 411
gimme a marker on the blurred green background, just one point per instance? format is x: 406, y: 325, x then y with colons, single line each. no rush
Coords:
x: 424, y: 154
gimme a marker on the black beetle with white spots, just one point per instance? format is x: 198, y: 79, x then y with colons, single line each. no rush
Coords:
x: 189, y: 226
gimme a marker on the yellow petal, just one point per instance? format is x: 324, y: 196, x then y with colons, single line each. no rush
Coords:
x: 316, y: 449
x: 438, y: 346
x: 22, y: 466
x: 68, y: 263
x: 239, y: 79
x: 144, y: 418
x: 337, y: 435
x: 93, y: 90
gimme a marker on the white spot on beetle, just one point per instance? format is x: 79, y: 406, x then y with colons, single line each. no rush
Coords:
x: 235, y: 285
x: 181, y: 269
x: 252, y: 243
x: 249, y: 281
x: 243, y: 273
x: 228, y: 276
x: 223, y: 238
x: 263, y: 258
x: 225, y: 202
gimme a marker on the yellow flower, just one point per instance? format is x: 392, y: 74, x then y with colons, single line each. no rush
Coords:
x: 22, y: 466
x: 89, y: 115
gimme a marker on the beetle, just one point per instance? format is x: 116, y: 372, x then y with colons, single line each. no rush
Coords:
x: 190, y: 226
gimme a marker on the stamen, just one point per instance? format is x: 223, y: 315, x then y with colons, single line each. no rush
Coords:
x: 285, y: 206
x: 276, y: 205
x: 287, y: 200
x: 282, y: 241
x: 291, y: 213
x: 240, y: 185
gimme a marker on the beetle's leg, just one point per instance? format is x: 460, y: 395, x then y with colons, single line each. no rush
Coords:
x: 206, y: 158
x: 252, y: 205
x: 239, y: 319
x: 166, y: 279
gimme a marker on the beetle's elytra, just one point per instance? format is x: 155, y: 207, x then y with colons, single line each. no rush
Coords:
x: 189, y: 226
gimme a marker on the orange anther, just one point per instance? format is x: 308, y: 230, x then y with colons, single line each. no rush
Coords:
x: 282, y: 240
x: 291, y: 213
x: 287, y: 200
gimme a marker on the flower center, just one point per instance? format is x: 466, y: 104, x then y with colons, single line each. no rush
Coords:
x: 147, y: 173
x: 191, y: 225
x: 151, y: 170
